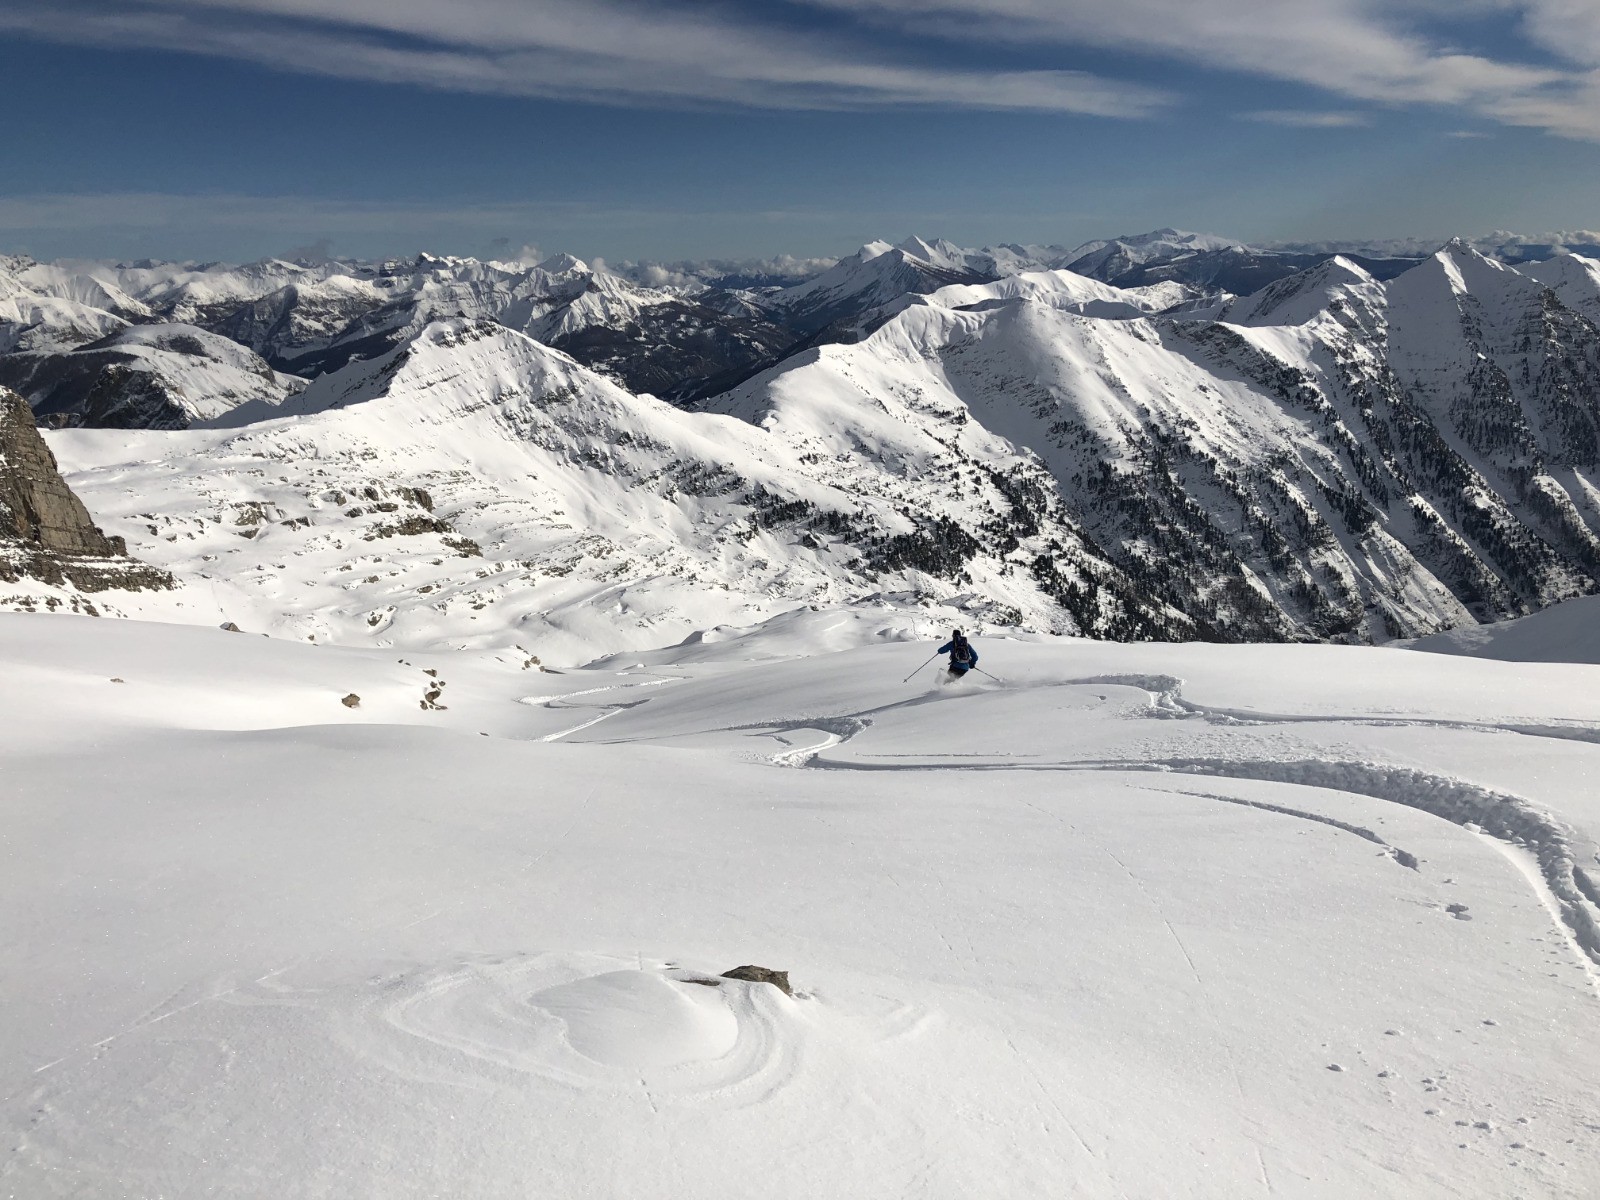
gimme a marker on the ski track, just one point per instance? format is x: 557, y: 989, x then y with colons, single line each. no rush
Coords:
x: 1404, y: 858
x: 1510, y: 819
x: 557, y: 703
x: 801, y: 755
x: 836, y: 731
x: 1528, y: 867
x: 1565, y: 887
x: 1167, y: 700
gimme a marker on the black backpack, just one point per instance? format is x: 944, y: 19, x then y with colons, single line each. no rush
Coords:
x: 961, y: 653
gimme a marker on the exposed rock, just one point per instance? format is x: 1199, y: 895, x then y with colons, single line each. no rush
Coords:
x: 46, y: 534
x: 231, y: 627
x: 751, y: 974
x: 351, y: 701
x: 411, y: 527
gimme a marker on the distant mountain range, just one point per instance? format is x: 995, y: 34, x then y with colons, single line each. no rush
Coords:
x: 684, y: 331
x: 1169, y: 435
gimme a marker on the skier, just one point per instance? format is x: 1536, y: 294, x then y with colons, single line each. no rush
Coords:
x: 962, y: 656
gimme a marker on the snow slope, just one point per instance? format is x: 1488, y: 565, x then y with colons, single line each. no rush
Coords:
x: 1065, y: 290
x: 1305, y: 296
x: 155, y: 376
x: 476, y: 488
x: 1562, y: 633
x: 1211, y: 922
x: 1574, y: 279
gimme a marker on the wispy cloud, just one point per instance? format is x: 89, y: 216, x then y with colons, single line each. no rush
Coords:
x: 1296, y: 118
x: 1399, y: 52
x: 738, y: 53
x: 601, y: 51
x: 1569, y: 29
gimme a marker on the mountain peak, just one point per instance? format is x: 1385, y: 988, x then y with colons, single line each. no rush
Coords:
x: 561, y: 264
x: 1461, y: 248
x: 1346, y: 270
x: 934, y: 251
x: 1466, y: 263
x: 1299, y: 298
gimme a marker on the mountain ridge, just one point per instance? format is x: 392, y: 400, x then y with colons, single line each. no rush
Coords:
x: 1335, y: 456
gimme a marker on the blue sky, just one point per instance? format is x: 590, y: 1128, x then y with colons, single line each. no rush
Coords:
x: 749, y: 128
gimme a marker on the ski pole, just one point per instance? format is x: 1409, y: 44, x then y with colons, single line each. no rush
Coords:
x: 907, y: 679
x: 980, y: 671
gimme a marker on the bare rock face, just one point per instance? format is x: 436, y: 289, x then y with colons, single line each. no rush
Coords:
x: 45, y: 532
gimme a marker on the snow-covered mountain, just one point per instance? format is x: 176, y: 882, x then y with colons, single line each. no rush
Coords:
x: 680, y: 336
x: 45, y: 308
x: 477, y: 487
x: 881, y: 274
x: 162, y: 376
x: 1065, y: 290
x: 1113, y: 257
x: 1332, y: 456
x: 308, y: 320
x: 877, y: 274
x: 1574, y: 279
x: 1213, y: 264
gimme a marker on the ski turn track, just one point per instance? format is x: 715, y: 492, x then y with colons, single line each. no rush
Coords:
x: 557, y: 703
x: 1508, y: 818
x: 1564, y: 884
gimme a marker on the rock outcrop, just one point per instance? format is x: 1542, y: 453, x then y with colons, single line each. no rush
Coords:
x: 46, y: 534
x: 754, y: 974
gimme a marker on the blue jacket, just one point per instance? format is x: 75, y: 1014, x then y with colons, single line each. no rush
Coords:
x: 956, y: 666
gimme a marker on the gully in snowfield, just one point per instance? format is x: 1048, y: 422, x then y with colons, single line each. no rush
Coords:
x: 963, y: 657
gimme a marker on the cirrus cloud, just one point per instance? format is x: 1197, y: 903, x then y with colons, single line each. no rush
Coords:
x: 1294, y: 118
x: 617, y: 52
x: 862, y: 54
x: 1386, y: 52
